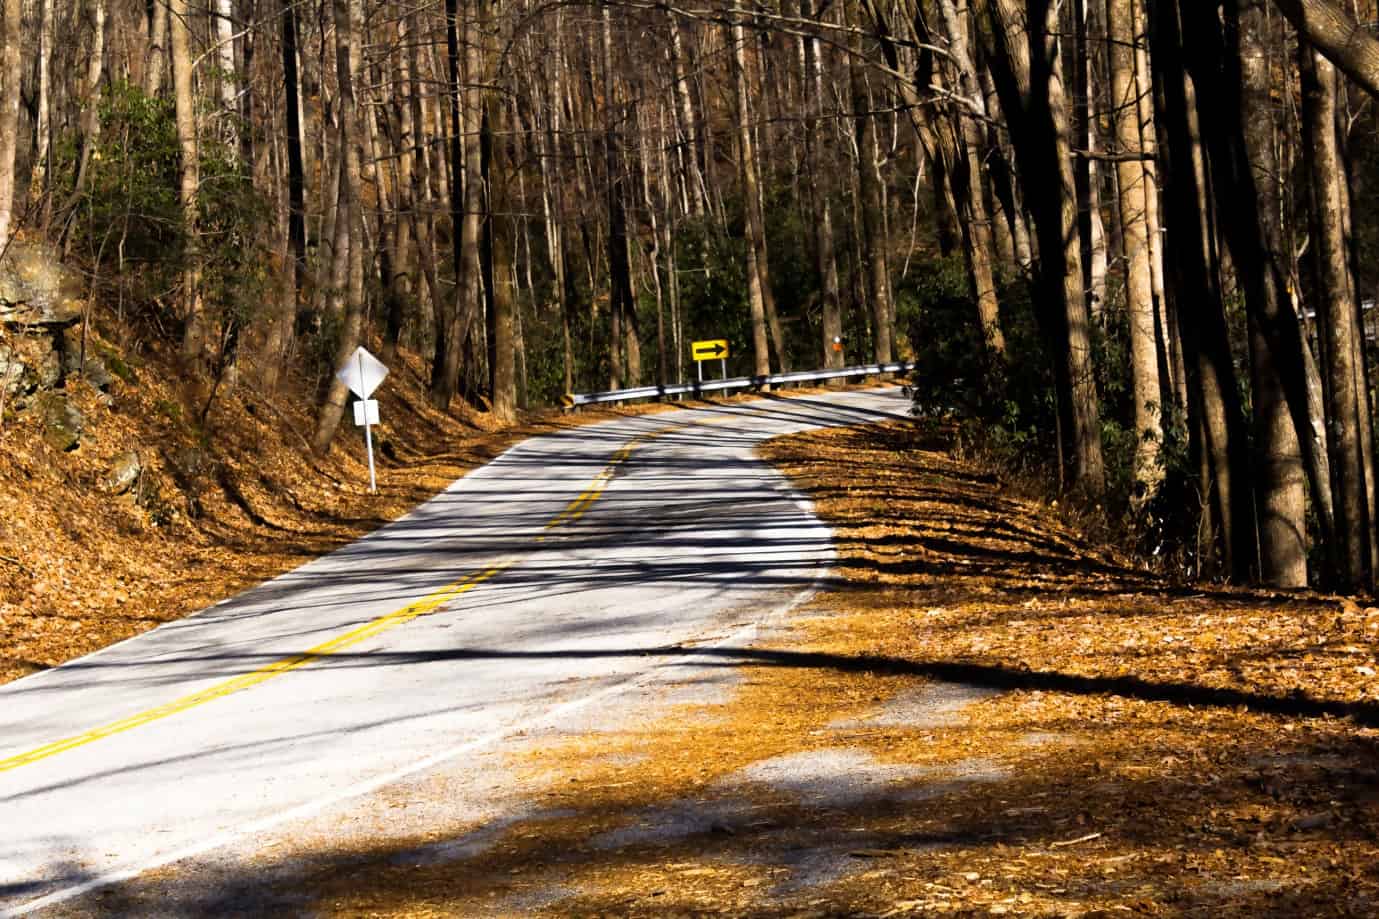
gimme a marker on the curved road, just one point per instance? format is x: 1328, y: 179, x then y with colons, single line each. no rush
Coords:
x: 529, y: 590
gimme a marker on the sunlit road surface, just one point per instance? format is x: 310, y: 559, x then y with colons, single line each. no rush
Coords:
x: 531, y: 588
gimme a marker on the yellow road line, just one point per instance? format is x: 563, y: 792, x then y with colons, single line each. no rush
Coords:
x: 261, y: 675
x: 571, y: 513
x: 576, y: 508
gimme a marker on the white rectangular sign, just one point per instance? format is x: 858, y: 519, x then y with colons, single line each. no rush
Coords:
x: 365, y: 413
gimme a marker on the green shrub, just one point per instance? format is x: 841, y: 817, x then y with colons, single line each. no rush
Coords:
x: 1003, y: 407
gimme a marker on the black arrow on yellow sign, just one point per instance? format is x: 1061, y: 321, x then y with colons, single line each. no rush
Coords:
x: 709, y: 350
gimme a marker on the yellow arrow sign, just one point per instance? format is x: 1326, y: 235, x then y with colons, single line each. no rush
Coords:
x: 709, y: 350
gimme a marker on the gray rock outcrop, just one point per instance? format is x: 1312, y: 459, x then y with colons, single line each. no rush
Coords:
x: 37, y: 292
x: 63, y: 424
x: 124, y: 473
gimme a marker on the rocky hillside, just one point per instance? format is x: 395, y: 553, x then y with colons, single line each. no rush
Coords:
x: 122, y: 507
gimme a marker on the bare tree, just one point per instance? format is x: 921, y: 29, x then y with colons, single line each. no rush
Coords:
x: 1030, y: 82
x: 1135, y: 193
x: 10, y: 72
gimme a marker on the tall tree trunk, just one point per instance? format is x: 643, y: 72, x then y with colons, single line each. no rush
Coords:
x: 505, y: 321
x: 457, y: 315
x: 424, y: 198
x: 347, y: 57
x: 1031, y: 87
x: 1135, y: 191
x: 1218, y: 437
x: 194, y: 332
x: 978, y: 241
x: 464, y: 319
x: 873, y: 226
x: 779, y: 345
x: 654, y: 256
x: 1170, y: 359
x: 689, y: 124
x: 89, y: 119
x: 43, y: 151
x: 1236, y: 89
x: 10, y: 73
x: 225, y: 57
x: 1338, y: 318
x: 294, y: 252
x: 156, y: 64
x: 825, y: 254
x: 621, y: 301
x: 756, y: 231
x: 1078, y: 55
x: 1093, y: 32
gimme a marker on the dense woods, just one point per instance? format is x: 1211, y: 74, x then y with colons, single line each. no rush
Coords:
x: 1120, y: 237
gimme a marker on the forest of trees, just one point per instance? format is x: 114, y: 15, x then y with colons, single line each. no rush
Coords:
x: 1119, y: 235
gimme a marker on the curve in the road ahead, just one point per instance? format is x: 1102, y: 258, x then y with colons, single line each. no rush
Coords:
x: 527, y: 590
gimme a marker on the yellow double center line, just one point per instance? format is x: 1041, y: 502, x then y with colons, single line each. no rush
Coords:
x: 261, y: 675
x: 579, y: 505
x: 406, y: 614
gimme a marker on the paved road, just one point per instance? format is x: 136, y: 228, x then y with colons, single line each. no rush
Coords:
x: 526, y: 591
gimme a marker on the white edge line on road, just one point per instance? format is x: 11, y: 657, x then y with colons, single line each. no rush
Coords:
x: 370, y: 785
x: 360, y: 789
x: 199, y: 617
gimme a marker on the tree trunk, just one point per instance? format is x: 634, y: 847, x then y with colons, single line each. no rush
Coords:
x: 1335, y: 33
x: 779, y: 345
x: 979, y: 244
x: 697, y: 193
x: 654, y: 256
x: 756, y: 231
x: 348, y: 215
x: 825, y: 254
x: 873, y: 227
x: 1093, y: 31
x: 445, y: 367
x: 1170, y: 359
x: 505, y: 321
x: 193, y: 333
x: 156, y: 64
x: 1217, y: 434
x: 225, y: 57
x: 294, y: 252
x: 43, y: 151
x: 1031, y: 88
x: 1337, y: 315
x: 10, y: 73
x: 1236, y: 90
x: 1135, y: 191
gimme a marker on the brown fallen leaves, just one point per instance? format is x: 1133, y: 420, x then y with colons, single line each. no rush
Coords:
x: 1150, y: 750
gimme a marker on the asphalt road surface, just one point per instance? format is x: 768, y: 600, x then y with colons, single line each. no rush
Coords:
x: 529, y: 590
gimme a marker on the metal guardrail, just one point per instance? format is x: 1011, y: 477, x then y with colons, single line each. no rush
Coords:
x: 755, y: 382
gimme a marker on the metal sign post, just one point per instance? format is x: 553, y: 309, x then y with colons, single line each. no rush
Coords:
x: 702, y: 351
x: 362, y: 373
x: 368, y: 428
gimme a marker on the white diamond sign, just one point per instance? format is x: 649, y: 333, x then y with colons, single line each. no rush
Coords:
x: 362, y: 373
